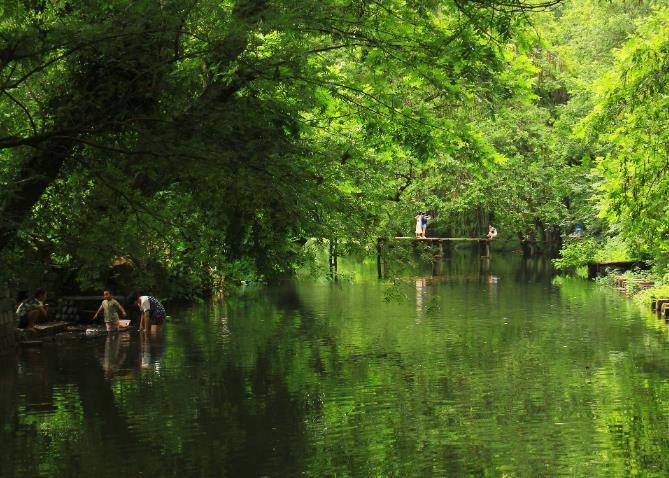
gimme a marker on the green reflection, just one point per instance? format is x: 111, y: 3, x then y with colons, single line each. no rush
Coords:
x: 484, y: 370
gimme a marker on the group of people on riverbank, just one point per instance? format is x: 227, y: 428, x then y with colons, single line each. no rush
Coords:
x: 31, y: 311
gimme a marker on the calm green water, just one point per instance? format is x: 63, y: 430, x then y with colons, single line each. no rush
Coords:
x: 476, y: 372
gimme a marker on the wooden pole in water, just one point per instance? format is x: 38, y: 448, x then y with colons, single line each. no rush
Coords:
x: 449, y: 248
x: 379, y: 258
x: 486, y: 248
x: 333, y: 257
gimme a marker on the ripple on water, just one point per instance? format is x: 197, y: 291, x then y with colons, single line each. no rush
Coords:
x: 452, y: 377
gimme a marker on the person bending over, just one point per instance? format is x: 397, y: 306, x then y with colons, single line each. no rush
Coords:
x: 151, y: 310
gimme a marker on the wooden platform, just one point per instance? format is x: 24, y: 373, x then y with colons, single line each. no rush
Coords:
x: 441, y: 239
x: 41, y: 331
x: 48, y: 328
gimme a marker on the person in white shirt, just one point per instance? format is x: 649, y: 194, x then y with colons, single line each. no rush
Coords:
x: 419, y: 225
x: 151, y: 310
x: 492, y: 232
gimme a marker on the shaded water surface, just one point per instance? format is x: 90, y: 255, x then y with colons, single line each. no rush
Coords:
x: 485, y: 370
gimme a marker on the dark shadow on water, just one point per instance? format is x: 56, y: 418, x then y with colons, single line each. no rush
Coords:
x: 478, y: 370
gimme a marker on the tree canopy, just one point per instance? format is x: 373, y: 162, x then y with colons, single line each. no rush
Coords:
x: 197, y: 141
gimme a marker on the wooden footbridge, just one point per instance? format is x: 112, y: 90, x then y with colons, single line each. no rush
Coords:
x: 483, y: 242
x: 440, y: 241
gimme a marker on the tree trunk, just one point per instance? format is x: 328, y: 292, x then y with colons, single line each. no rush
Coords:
x: 52, y: 152
x: 33, y: 178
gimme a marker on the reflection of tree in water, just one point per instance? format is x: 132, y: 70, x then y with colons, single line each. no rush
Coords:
x: 218, y: 409
x: 8, y: 390
x: 345, y: 391
x: 84, y: 419
x: 533, y: 269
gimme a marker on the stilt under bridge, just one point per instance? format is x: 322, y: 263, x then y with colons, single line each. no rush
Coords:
x: 484, y: 245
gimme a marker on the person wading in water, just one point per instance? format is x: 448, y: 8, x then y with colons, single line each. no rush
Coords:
x: 110, y: 308
x: 152, y: 311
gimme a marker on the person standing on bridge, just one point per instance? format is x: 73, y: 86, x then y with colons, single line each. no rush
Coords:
x: 424, y: 220
x: 492, y: 232
x: 419, y: 225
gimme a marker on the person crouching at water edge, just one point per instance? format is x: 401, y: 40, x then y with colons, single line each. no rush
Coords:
x: 110, y: 309
x: 492, y: 232
x: 31, y: 311
x: 153, y: 312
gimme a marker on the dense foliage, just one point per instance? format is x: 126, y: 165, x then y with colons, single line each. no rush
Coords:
x: 185, y: 143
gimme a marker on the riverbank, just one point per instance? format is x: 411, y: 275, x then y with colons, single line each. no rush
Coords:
x: 643, y: 287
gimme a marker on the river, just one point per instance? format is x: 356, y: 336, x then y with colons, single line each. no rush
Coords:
x: 488, y: 369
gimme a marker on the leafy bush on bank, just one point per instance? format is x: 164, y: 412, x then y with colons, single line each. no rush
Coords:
x: 576, y: 254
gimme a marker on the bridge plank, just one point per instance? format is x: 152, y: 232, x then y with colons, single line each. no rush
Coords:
x: 408, y: 238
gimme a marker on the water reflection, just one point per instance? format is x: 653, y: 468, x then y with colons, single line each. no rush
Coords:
x: 114, y: 354
x: 152, y: 348
x: 421, y: 284
x: 483, y: 371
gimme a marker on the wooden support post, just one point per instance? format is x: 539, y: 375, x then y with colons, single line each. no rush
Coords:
x: 379, y: 258
x: 441, y: 249
x: 333, y: 257
x: 664, y: 310
x: 485, y: 248
x: 659, y: 304
x: 449, y: 248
